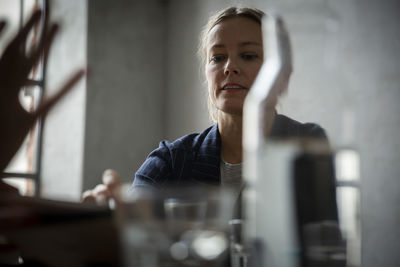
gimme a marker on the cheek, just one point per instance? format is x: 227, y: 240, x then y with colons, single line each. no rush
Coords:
x: 212, y: 94
x: 211, y: 78
x: 254, y: 72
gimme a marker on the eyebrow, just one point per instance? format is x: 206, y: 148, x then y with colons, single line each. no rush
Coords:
x: 241, y: 44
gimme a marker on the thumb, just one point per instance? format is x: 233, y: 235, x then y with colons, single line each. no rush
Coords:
x: 111, y: 179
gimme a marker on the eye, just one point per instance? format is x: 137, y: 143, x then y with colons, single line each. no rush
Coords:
x: 217, y: 58
x: 249, y: 56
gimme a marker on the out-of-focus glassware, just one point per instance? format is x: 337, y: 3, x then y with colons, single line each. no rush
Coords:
x: 144, y: 241
x: 348, y: 193
x: 238, y: 251
x: 178, y: 227
x: 302, y: 195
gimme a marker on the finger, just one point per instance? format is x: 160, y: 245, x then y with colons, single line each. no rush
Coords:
x: 23, y: 33
x: 46, y: 36
x: 43, y: 47
x: 113, y: 182
x: 46, y: 14
x: 111, y: 179
x: 2, y: 26
x: 13, y: 57
x: 46, y: 23
x: 48, y: 105
x: 6, y: 188
x: 100, y: 188
x: 88, y: 197
x: 101, y: 194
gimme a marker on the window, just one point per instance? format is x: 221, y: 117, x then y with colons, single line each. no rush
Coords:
x: 24, y: 170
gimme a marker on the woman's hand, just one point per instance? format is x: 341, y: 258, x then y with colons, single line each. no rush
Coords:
x: 15, y: 66
x: 106, y: 193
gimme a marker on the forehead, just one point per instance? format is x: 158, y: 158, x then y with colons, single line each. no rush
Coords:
x: 234, y: 31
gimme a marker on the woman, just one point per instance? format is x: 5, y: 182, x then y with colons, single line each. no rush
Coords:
x: 232, y: 53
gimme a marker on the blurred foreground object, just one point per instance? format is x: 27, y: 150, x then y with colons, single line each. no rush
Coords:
x: 184, y: 226
x: 15, y: 66
x: 295, y: 214
x: 54, y: 233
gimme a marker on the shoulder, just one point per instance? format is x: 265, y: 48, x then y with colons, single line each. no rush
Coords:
x: 168, y: 162
x: 285, y: 127
x: 192, y: 142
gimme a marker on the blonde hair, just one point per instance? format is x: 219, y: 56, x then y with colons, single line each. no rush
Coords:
x: 231, y: 12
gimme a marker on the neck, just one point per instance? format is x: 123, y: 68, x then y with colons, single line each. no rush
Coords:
x: 230, y: 129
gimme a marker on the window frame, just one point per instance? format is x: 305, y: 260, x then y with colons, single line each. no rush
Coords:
x: 40, y: 83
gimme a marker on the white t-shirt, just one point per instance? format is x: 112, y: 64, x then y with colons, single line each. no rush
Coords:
x: 231, y: 176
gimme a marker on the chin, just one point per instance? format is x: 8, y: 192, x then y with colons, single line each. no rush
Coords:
x: 232, y: 110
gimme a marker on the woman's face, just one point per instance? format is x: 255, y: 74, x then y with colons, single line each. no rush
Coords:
x: 234, y: 57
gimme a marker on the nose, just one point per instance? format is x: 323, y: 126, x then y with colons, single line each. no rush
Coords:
x: 231, y: 67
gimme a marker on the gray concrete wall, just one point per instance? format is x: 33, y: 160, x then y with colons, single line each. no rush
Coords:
x: 126, y: 86
x: 347, y: 57
x: 63, y: 135
x: 186, y: 93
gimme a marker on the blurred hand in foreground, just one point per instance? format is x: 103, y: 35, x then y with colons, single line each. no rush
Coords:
x: 15, y: 66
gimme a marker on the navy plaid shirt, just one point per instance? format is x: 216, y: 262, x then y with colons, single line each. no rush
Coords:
x: 194, y: 159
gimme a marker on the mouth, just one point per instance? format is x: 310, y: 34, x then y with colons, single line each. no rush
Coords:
x: 232, y: 86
